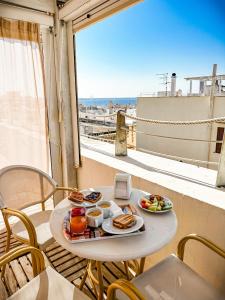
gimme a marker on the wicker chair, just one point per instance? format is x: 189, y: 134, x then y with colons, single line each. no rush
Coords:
x: 47, y: 285
x: 21, y: 187
x: 169, y: 279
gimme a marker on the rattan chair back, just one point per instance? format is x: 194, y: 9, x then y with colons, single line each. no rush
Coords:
x: 22, y: 186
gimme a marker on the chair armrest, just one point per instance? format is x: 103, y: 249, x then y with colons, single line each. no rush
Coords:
x: 204, y: 241
x: 62, y: 188
x: 126, y: 287
x: 19, y: 251
x: 25, y: 220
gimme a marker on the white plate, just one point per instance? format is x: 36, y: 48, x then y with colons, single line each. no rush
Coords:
x: 157, y: 211
x: 108, y: 226
x: 86, y: 203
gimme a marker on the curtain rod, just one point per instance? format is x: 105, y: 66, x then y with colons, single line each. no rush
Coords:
x: 26, y: 7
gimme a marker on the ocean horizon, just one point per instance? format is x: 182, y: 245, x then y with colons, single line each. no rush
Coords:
x: 105, y: 101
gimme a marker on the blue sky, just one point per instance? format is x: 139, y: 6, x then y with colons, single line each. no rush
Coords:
x: 121, y: 55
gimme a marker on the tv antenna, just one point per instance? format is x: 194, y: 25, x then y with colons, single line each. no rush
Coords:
x: 164, y: 80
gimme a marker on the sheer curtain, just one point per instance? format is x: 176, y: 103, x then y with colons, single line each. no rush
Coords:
x: 23, y: 118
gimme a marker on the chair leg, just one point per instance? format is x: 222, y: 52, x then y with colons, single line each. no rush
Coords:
x: 35, y: 262
x: 100, y: 280
x: 6, y: 250
x: 83, y: 279
x: 126, y: 270
x: 142, y: 264
x: 94, y: 288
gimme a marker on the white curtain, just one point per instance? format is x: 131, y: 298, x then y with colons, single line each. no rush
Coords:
x: 23, y: 119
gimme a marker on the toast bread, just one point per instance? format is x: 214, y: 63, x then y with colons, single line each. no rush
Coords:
x: 124, y: 221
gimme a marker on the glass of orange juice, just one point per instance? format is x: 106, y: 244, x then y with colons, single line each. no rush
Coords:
x: 78, y: 221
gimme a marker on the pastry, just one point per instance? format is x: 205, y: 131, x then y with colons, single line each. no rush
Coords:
x: 76, y: 197
x: 124, y: 221
x: 93, y: 197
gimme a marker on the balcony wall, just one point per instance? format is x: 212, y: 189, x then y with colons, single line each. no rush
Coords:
x: 199, y: 207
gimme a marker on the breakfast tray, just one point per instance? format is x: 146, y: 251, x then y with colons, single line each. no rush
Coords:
x: 96, y: 234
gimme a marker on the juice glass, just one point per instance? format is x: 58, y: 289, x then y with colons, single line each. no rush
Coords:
x: 78, y: 221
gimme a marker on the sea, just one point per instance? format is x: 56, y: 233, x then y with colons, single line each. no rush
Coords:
x: 105, y: 101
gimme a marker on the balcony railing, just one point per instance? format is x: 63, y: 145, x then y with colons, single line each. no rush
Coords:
x: 122, y: 130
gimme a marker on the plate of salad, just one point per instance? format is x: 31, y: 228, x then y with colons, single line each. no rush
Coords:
x: 155, y: 204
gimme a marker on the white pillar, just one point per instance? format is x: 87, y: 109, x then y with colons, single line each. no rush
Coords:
x: 190, y: 92
x: 201, y: 87
x: 173, y: 84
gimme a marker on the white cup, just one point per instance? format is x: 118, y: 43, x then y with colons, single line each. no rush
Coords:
x: 94, y: 220
x: 107, y: 209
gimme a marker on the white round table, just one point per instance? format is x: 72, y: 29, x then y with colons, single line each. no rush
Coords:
x: 159, y: 230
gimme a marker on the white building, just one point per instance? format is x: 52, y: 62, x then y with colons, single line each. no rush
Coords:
x: 149, y: 136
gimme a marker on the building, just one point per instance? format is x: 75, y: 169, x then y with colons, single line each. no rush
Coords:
x: 182, y: 141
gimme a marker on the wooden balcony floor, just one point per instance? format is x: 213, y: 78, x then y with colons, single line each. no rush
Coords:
x: 72, y: 267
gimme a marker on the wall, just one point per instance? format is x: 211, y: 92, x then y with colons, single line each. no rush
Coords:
x: 193, y: 216
x: 178, y: 108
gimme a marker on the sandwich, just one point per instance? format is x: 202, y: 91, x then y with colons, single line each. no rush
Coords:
x: 124, y: 221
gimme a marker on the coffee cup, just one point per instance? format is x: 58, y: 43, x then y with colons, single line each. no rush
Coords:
x: 106, y: 207
x: 94, y: 217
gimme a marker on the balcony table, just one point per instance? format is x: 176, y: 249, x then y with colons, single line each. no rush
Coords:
x: 159, y: 231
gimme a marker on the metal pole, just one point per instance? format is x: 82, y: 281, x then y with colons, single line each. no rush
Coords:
x: 211, y: 108
x: 220, y: 180
x: 121, y: 136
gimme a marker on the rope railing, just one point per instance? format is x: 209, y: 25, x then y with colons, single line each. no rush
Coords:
x: 121, y: 139
x: 169, y: 137
x: 179, y: 157
x: 166, y: 122
x: 121, y: 128
x: 163, y: 122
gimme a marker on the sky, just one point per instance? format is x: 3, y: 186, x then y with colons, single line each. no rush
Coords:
x: 122, y: 55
